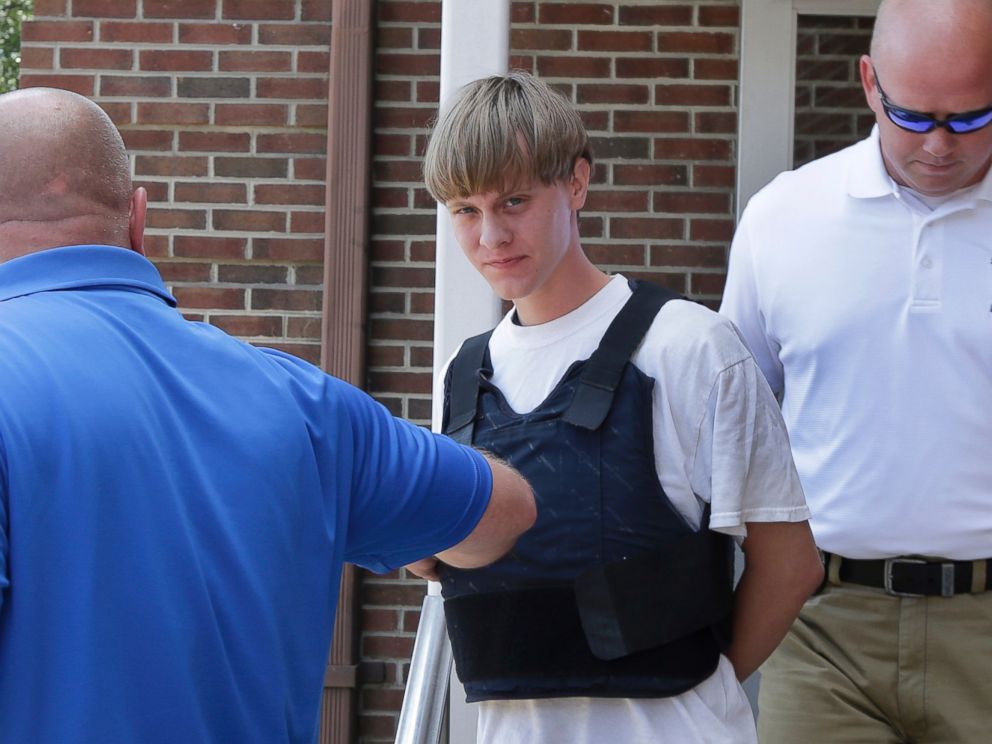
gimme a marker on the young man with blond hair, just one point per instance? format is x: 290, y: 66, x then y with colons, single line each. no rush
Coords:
x: 650, y: 440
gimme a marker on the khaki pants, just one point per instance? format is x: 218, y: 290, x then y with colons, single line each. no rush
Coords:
x: 862, y: 667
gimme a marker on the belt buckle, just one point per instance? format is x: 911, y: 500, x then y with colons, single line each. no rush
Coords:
x: 887, y: 576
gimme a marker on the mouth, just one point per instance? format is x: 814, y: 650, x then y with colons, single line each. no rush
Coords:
x: 502, y: 264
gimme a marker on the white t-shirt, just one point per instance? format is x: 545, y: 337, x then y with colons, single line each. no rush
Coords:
x: 719, y: 438
x: 871, y: 312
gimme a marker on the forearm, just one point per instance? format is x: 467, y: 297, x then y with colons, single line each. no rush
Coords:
x: 781, y: 570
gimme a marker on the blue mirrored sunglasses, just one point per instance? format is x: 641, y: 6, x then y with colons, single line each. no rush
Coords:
x: 915, y: 121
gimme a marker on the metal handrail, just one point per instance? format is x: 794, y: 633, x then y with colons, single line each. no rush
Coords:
x: 422, y: 716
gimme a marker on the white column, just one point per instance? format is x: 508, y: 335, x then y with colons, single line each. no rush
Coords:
x: 475, y: 43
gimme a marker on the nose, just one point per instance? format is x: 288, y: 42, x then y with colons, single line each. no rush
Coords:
x: 494, y: 232
x: 939, y: 143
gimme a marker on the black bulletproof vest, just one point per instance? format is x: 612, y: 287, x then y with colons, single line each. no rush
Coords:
x: 611, y: 593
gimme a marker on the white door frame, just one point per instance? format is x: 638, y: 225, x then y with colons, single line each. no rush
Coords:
x: 768, y: 86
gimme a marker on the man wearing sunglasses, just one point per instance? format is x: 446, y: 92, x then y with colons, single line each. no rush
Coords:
x: 863, y: 284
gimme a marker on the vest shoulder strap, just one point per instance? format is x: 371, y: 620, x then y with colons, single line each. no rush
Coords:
x: 602, y: 372
x: 464, y: 392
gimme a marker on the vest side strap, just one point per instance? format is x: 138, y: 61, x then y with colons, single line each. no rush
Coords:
x: 463, y: 399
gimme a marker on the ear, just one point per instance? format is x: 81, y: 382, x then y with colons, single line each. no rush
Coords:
x: 868, y: 81
x: 136, y: 219
x: 579, y: 183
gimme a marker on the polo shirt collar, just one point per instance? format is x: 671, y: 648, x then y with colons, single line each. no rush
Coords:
x: 866, y: 176
x: 78, y: 267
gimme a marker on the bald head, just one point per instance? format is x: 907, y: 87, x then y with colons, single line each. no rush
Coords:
x: 909, y: 31
x: 66, y: 179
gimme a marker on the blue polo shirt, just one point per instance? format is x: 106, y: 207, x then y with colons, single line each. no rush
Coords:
x: 175, y: 507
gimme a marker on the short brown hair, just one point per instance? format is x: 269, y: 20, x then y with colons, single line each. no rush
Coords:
x: 500, y: 132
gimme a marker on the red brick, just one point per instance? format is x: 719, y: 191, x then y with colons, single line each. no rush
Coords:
x: 173, y: 60
x: 407, y: 64
x: 394, y: 37
x: 252, y: 274
x: 214, y: 141
x: 181, y: 9
x: 429, y: 38
x: 223, y: 298
x: 377, y: 727
x: 289, y: 194
x: 294, y: 88
x: 715, y: 122
x: 715, y: 68
x: 310, y: 169
x: 692, y: 95
x: 119, y: 113
x: 387, y: 250
x: 148, y: 139
x: 99, y: 59
x: 37, y: 58
x: 428, y: 91
x: 708, y: 284
x: 573, y: 67
x: 47, y: 8
x: 632, y: 120
x: 713, y: 175
x: 296, y: 34
x: 382, y: 699
x: 651, y: 228
x: 138, y: 32
x: 251, y: 167
x: 196, y: 246
x: 286, y: 299
x: 682, y: 148
x: 303, y: 327
x: 215, y: 33
x: 719, y: 15
x: 85, y: 85
x: 310, y: 275
x: 400, y: 382
x: 615, y: 93
x: 652, y: 174
x: 247, y: 326
x: 403, y: 329
x: 259, y: 10
x: 313, y: 62
x: 390, y: 11
x: 615, y: 41
x: 403, y: 118
x: 392, y: 90
x: 173, y: 272
x: 652, y: 67
x: 177, y: 219
x: 56, y: 31
x: 615, y: 254
x: 543, y: 39
x: 292, y: 142
x: 312, y: 116
x: 173, y: 113
x: 390, y: 198
x: 595, y: 121
x: 575, y: 14
x: 695, y: 201
x: 288, y: 249
x: 694, y: 255
x: 695, y: 42
x: 245, y: 220
x: 613, y: 200
x: 316, y: 10
x: 158, y: 191
x: 522, y: 12
x: 104, y: 8
x: 306, y: 222
x: 422, y: 356
x: 255, y: 114
x: 386, y: 302
x: 242, y: 61
x: 212, y: 193
x: 656, y: 15
x: 711, y: 230
x: 161, y: 165
x: 522, y: 62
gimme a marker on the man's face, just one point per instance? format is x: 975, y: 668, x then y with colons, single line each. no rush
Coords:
x: 519, y: 240
x: 937, y: 162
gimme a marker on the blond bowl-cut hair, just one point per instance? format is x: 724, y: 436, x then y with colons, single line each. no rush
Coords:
x: 500, y: 133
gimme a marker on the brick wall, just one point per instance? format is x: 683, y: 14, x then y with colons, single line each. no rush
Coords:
x: 222, y: 104
x: 831, y: 112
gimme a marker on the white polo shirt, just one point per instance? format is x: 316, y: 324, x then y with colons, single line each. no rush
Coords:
x: 872, y: 316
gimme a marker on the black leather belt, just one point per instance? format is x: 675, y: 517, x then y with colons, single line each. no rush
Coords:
x: 912, y: 577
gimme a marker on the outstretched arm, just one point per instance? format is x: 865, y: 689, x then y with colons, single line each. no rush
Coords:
x: 781, y: 570
x: 511, y: 511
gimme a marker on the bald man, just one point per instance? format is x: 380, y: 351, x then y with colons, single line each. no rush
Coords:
x: 175, y: 505
x: 863, y: 285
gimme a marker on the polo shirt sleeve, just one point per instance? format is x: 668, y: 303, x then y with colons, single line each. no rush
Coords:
x: 413, y: 493
x: 742, y: 304
x: 4, y: 526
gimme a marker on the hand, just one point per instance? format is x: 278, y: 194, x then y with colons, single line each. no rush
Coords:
x: 425, y: 568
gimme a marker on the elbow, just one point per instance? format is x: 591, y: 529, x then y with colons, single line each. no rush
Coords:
x: 811, y: 577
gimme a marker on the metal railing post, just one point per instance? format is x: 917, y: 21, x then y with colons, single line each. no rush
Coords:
x: 422, y: 717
